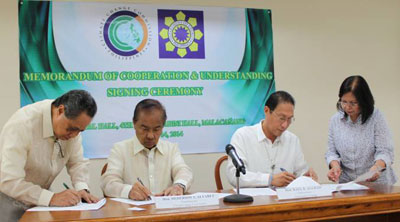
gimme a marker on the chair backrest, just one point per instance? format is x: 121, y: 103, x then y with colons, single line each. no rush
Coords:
x: 217, y: 174
x: 104, y: 169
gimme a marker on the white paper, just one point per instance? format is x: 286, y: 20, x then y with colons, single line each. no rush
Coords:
x: 345, y: 186
x: 135, y: 202
x: 351, y: 186
x: 80, y: 206
x: 303, y: 181
x: 136, y: 209
x: 257, y: 191
x: 331, y: 187
x: 363, y: 177
x: 194, y: 200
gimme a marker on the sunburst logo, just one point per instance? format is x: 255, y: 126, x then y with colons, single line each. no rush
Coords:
x: 126, y: 33
x: 181, y: 34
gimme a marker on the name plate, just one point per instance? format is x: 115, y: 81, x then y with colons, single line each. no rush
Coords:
x: 194, y: 200
x: 303, y: 192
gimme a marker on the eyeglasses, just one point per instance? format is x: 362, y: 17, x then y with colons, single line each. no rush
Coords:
x: 58, y: 144
x: 344, y: 103
x: 282, y: 119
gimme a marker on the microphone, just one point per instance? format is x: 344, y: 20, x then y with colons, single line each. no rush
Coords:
x: 236, y: 198
x: 237, y: 162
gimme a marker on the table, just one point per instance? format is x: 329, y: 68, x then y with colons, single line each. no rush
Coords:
x: 380, y: 203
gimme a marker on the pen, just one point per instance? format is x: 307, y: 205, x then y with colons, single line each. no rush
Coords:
x: 284, y: 170
x: 140, y: 181
x: 67, y: 187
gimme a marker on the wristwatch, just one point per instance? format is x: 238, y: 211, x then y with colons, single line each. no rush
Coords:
x: 182, y: 186
x: 270, y: 180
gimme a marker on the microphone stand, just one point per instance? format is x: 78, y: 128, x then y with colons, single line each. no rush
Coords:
x: 238, y: 198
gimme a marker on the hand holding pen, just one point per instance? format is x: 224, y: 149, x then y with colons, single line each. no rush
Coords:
x: 85, y: 196
x: 282, y: 179
x: 65, y: 198
x: 139, y: 191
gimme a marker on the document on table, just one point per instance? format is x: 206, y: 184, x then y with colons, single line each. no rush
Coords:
x: 80, y: 206
x: 303, y: 181
x: 257, y: 191
x: 364, y: 177
x: 136, y: 209
x: 134, y: 202
x: 345, y: 186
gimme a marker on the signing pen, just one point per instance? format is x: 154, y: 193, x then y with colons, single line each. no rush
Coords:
x: 140, y: 181
x: 67, y: 187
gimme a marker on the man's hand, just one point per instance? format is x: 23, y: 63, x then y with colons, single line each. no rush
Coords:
x: 174, y: 190
x: 311, y: 173
x: 139, y: 192
x: 282, y: 179
x: 65, y: 199
x: 85, y: 196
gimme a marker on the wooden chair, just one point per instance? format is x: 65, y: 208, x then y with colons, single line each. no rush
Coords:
x: 217, y: 175
x: 104, y: 169
x: 102, y: 172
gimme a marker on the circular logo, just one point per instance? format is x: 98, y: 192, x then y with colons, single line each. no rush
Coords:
x: 181, y: 34
x: 125, y: 33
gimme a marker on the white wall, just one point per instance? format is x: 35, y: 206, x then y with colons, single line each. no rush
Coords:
x: 317, y: 43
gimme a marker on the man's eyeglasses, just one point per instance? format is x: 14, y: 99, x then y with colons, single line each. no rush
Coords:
x: 344, y: 103
x: 58, y: 144
x: 283, y: 119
